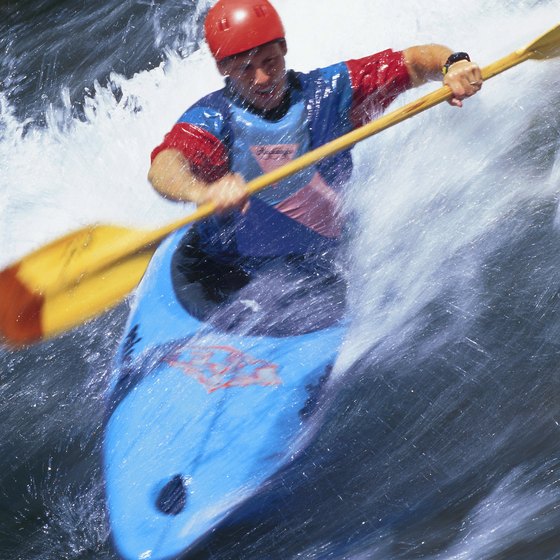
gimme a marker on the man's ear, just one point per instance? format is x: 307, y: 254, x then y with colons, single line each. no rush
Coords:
x: 223, y: 67
x: 284, y: 46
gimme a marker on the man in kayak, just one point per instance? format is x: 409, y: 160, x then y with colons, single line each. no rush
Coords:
x: 264, y: 117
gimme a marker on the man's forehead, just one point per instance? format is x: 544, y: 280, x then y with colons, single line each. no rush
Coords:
x: 262, y: 50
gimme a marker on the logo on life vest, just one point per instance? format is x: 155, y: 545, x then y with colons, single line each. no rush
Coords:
x: 274, y: 156
x: 220, y: 367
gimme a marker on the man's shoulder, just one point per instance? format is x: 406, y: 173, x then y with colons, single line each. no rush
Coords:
x: 323, y: 74
x: 216, y: 99
x: 212, y: 107
x: 326, y: 86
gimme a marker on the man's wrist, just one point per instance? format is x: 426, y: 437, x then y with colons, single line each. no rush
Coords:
x: 452, y: 59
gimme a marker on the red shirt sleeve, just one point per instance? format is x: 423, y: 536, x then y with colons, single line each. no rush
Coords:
x: 376, y: 81
x: 207, y: 156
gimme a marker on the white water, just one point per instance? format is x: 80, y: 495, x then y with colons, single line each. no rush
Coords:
x: 74, y: 173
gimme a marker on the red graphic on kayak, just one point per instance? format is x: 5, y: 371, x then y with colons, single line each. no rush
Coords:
x: 220, y: 367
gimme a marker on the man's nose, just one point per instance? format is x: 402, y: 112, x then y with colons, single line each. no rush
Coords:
x: 261, y: 77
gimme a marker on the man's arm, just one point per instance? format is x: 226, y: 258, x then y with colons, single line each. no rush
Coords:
x: 171, y: 176
x: 425, y: 62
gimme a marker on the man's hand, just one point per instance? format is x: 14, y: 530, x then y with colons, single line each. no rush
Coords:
x: 424, y: 62
x: 465, y: 79
x: 228, y: 193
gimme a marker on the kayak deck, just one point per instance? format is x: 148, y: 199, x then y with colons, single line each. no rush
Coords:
x: 199, y: 421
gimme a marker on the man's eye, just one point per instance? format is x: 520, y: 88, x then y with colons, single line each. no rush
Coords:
x: 242, y: 69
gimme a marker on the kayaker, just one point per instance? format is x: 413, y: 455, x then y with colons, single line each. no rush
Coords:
x: 265, y: 116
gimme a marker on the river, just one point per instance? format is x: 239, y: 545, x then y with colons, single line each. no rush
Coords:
x: 442, y: 435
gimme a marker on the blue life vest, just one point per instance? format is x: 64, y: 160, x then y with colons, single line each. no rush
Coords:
x: 276, y: 224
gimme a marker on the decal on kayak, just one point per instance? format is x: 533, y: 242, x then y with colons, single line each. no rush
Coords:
x: 221, y: 367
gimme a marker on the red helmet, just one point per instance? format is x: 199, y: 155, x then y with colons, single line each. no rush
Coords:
x: 236, y: 26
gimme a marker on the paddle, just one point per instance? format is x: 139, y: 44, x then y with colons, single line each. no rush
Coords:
x: 66, y: 282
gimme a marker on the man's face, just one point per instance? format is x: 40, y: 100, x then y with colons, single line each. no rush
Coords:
x: 259, y: 75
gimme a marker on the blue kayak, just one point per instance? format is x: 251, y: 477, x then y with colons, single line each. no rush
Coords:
x: 199, y: 417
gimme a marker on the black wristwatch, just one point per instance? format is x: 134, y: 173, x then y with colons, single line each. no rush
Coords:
x: 453, y: 58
